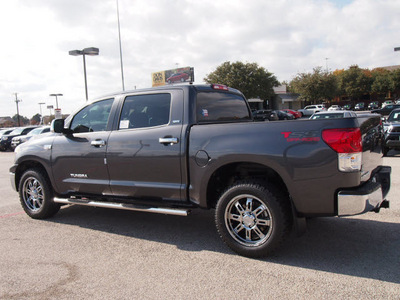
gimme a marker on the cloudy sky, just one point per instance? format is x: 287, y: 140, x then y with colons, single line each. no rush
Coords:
x: 284, y: 36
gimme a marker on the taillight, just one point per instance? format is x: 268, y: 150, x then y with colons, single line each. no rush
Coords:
x: 343, y: 140
x: 347, y: 142
x: 219, y: 87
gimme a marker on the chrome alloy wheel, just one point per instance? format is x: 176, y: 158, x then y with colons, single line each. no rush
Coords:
x: 248, y: 220
x: 33, y: 194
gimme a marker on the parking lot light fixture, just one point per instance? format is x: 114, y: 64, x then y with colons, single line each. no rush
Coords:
x: 56, y: 95
x: 92, y: 51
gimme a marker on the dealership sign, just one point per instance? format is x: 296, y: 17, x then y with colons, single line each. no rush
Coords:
x: 178, y: 75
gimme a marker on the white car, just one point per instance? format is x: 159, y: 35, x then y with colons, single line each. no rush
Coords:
x: 334, y: 107
x: 312, y: 109
x: 333, y: 115
x: 388, y: 102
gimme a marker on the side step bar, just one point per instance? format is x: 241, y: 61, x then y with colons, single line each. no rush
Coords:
x: 125, y: 206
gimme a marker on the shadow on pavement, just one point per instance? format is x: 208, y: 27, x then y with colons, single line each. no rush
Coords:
x: 349, y: 246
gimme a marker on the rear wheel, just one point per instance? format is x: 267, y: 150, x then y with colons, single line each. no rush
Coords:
x: 36, y: 195
x: 253, y: 219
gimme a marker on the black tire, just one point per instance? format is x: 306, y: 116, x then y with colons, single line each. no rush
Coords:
x: 385, y: 151
x: 36, y: 195
x: 253, y: 219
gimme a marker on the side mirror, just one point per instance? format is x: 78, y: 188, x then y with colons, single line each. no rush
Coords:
x: 57, y: 126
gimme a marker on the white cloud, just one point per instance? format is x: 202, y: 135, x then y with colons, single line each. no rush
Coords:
x: 285, y: 37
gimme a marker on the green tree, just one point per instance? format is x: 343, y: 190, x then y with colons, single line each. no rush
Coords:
x: 316, y: 86
x: 381, y: 82
x: 36, y: 119
x: 22, y: 120
x: 252, y: 80
x: 355, y: 82
x: 395, y: 81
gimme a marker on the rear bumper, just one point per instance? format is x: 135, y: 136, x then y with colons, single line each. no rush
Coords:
x: 367, y: 197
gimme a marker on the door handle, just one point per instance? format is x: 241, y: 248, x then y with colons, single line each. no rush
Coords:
x: 98, y: 143
x: 168, y: 140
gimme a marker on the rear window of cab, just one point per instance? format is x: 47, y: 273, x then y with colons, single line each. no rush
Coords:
x: 214, y: 107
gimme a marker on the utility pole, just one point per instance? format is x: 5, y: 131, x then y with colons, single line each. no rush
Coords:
x: 16, y: 101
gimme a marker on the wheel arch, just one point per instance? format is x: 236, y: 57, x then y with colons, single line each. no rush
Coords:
x: 27, y: 165
x: 226, y: 175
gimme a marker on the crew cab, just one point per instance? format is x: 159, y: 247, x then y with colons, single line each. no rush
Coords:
x: 177, y: 148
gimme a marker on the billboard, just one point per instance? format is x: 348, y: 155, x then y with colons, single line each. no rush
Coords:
x: 178, y: 75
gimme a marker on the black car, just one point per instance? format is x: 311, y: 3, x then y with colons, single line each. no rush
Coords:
x: 265, y: 115
x: 360, y: 106
x: 386, y: 110
x: 5, y: 143
x: 391, y: 132
x: 282, y: 115
x: 373, y: 105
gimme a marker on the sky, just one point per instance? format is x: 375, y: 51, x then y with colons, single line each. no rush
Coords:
x: 286, y: 37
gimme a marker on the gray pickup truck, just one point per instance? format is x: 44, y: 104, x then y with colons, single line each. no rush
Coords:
x: 172, y: 149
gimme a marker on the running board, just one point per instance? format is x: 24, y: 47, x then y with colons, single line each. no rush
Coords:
x: 125, y: 206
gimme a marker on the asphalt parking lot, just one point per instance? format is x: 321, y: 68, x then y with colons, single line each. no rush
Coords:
x: 94, y: 253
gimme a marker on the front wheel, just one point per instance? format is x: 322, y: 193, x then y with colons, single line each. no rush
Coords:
x: 36, y: 195
x: 253, y: 219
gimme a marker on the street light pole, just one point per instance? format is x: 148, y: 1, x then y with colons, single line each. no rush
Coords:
x: 41, y: 115
x: 56, y: 98
x: 92, y: 51
x: 17, y: 101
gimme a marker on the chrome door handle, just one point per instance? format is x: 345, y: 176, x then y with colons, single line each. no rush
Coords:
x: 168, y: 140
x: 98, y: 143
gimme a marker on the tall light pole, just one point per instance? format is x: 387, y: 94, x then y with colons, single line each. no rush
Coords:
x: 56, y: 95
x: 17, y: 101
x: 120, y: 50
x: 41, y: 115
x: 92, y: 51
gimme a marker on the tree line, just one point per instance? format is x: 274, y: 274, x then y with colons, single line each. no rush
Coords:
x: 317, y: 86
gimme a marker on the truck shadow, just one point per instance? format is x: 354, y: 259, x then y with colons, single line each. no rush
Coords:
x: 348, y: 246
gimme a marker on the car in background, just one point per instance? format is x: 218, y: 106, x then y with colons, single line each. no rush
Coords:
x: 391, y: 131
x: 178, y: 77
x: 385, y: 111
x: 386, y: 103
x: 5, y: 131
x: 360, y: 106
x: 334, y: 107
x: 373, y: 105
x: 265, y: 115
x: 348, y: 107
x: 295, y: 114
x: 5, y: 143
x: 311, y: 109
x: 16, y: 141
x: 333, y: 115
x: 282, y: 115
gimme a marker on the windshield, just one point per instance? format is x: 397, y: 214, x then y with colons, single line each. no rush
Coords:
x: 17, y: 131
x: 35, y: 131
x: 394, y: 117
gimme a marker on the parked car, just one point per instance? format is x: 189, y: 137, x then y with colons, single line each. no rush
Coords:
x: 265, y: 115
x: 178, y: 77
x: 348, y: 107
x: 295, y: 114
x: 333, y: 115
x: 334, y: 107
x: 360, y: 106
x: 391, y: 129
x: 5, y: 131
x: 5, y: 143
x: 311, y: 109
x: 385, y: 111
x: 386, y: 103
x: 282, y: 115
x: 374, y: 105
x: 16, y: 141
x: 397, y: 101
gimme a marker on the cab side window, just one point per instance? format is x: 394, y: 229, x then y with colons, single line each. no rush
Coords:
x: 142, y: 111
x: 93, y: 117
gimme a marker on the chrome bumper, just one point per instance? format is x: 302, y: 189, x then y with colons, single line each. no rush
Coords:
x: 368, y: 197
